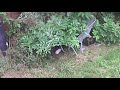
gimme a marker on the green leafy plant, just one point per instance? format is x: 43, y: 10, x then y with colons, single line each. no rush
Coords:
x: 107, y: 32
x: 5, y: 18
x: 14, y: 28
x: 59, y: 30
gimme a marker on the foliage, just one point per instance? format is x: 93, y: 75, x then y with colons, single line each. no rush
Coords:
x: 5, y: 18
x: 58, y: 30
x: 14, y: 26
x: 62, y: 28
x: 109, y: 31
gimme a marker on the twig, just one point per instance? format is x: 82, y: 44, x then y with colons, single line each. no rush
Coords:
x: 74, y: 50
x: 62, y: 48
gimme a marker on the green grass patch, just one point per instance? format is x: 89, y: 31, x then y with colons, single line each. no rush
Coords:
x: 105, y: 66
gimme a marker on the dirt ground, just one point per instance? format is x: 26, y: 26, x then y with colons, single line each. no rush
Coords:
x: 16, y: 74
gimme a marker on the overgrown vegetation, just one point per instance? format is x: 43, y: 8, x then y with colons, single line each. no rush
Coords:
x: 58, y: 28
x: 43, y: 30
x: 108, y: 31
x: 61, y: 29
x: 14, y: 25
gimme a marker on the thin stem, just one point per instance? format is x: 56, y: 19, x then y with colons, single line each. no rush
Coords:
x: 62, y: 48
x: 74, y: 50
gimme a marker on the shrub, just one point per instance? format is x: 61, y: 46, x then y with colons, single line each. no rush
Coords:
x: 58, y: 30
x: 107, y: 32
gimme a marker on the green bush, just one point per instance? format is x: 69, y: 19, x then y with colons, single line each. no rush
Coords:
x: 63, y: 29
x: 14, y: 28
x: 59, y: 30
x: 5, y: 18
x: 107, y: 32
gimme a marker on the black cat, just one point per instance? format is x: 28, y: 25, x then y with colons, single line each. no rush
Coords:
x: 89, y: 40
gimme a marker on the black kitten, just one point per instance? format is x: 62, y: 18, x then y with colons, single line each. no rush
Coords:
x: 88, y: 41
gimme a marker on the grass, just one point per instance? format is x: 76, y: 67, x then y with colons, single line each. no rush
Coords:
x: 102, y: 62
x: 106, y: 65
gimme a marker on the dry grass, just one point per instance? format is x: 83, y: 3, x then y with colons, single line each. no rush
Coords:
x: 87, y: 64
